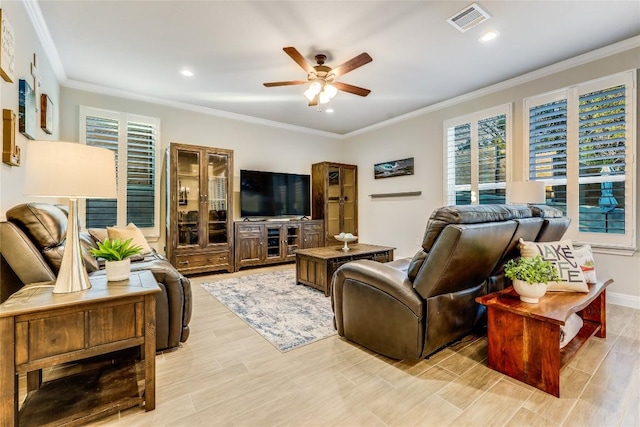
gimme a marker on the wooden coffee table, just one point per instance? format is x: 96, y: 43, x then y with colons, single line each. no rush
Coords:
x: 523, y: 339
x: 315, y: 267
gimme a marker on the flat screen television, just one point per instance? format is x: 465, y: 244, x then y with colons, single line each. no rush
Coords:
x: 274, y: 194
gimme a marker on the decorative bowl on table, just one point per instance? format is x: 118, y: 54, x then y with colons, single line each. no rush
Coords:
x: 346, y: 238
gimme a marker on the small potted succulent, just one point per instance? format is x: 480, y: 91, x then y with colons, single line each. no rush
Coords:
x: 530, y: 277
x: 116, y: 253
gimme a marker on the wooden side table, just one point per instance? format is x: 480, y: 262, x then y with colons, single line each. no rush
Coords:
x: 315, y: 266
x: 39, y: 329
x: 523, y: 339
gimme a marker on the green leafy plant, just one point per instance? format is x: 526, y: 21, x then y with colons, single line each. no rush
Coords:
x: 531, y: 270
x: 115, y: 250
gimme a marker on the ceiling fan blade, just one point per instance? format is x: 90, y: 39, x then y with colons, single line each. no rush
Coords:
x: 314, y: 101
x: 351, y: 89
x: 296, y: 56
x: 289, y: 83
x: 352, y: 64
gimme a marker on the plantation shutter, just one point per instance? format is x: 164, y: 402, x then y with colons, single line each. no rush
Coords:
x: 141, y: 141
x: 103, y: 133
x: 579, y: 145
x: 459, y: 164
x: 476, y: 157
x: 548, y: 149
x: 492, y: 159
x: 602, y: 164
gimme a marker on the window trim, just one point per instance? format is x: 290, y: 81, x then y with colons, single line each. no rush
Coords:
x: 473, y: 119
x: 625, y: 244
x: 151, y: 233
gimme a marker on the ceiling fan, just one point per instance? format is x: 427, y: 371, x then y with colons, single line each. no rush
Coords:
x: 321, y: 78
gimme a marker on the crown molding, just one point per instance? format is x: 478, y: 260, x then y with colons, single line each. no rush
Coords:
x: 42, y: 31
x: 74, y: 84
x: 585, y: 58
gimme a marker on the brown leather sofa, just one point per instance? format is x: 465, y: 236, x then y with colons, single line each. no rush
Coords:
x: 409, y: 309
x: 32, y: 243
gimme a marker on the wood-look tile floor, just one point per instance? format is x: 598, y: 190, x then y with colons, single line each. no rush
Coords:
x: 228, y: 375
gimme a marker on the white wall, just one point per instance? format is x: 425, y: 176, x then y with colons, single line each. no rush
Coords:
x: 400, y: 222
x: 27, y: 43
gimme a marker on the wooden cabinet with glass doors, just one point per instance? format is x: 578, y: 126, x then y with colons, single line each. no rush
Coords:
x: 199, y: 217
x: 334, y: 188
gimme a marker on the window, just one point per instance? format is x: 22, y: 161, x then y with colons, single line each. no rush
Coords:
x: 134, y: 140
x: 581, y: 144
x: 476, y: 157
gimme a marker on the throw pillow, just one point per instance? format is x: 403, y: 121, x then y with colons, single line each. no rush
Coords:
x: 584, y: 255
x: 98, y: 234
x: 561, y: 254
x: 130, y: 232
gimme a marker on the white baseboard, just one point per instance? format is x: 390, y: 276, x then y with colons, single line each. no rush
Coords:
x: 624, y: 300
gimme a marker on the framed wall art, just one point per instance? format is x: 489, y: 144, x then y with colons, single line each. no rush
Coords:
x: 46, y: 114
x: 26, y: 110
x: 7, y: 49
x: 393, y: 168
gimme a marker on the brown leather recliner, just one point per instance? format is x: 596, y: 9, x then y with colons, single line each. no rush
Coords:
x: 409, y: 310
x: 32, y: 243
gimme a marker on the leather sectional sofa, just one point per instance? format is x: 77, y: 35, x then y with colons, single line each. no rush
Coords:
x: 32, y: 243
x: 411, y: 308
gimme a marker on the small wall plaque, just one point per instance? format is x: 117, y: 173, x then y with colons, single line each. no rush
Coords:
x: 10, y: 151
x: 46, y: 114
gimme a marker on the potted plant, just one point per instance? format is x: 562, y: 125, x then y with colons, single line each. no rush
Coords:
x: 116, y: 253
x: 530, y: 277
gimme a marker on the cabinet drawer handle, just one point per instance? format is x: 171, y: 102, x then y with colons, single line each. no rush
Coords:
x: 183, y: 262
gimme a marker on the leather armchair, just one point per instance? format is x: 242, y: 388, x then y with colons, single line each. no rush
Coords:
x: 32, y: 243
x: 411, y: 309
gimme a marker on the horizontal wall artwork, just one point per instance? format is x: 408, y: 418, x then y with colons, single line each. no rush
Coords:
x: 393, y: 168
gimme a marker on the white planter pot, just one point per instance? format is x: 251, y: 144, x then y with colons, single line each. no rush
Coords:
x: 118, y: 270
x: 530, y: 292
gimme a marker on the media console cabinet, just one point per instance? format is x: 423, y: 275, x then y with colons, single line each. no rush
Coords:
x: 523, y: 339
x: 259, y: 243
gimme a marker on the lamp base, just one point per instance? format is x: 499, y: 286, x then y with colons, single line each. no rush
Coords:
x: 72, y: 276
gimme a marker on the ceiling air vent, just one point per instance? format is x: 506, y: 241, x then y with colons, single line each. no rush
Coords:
x: 468, y: 17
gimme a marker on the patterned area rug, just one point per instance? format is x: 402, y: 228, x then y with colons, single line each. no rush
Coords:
x: 286, y: 314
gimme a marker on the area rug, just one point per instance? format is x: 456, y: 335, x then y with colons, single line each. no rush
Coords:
x: 286, y: 314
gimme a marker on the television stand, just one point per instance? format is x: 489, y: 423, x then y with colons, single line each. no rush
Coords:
x: 259, y: 243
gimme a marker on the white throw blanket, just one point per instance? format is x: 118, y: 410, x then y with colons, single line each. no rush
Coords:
x: 570, y: 329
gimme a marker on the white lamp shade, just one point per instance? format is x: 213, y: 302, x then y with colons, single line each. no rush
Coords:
x: 68, y: 169
x: 330, y: 90
x: 519, y: 192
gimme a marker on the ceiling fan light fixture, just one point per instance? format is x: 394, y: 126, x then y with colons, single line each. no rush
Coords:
x: 330, y: 90
x: 324, y: 98
x: 314, y: 89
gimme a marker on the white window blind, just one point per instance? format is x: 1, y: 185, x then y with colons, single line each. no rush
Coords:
x: 581, y: 143
x: 476, y: 157
x: 134, y: 140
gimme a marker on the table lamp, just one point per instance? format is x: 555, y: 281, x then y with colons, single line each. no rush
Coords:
x: 524, y: 192
x: 74, y: 171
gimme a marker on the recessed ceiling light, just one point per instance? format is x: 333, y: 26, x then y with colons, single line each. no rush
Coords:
x: 489, y: 35
x: 186, y: 73
x: 329, y: 110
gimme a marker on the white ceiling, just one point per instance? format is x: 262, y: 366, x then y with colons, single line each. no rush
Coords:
x: 139, y: 47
